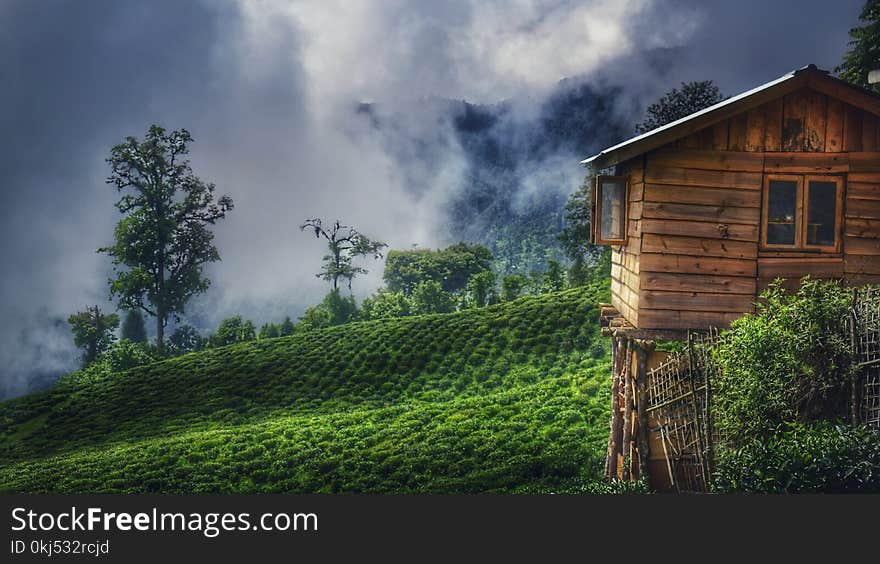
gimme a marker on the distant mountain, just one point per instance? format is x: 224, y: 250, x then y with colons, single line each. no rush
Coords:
x: 520, y: 164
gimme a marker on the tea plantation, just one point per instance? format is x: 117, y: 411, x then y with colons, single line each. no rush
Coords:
x: 513, y: 397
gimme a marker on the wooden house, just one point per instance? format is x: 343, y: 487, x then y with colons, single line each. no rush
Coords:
x: 701, y: 214
x: 782, y: 181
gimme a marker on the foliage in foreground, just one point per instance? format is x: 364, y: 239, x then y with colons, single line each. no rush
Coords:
x: 818, y: 457
x: 489, y: 399
x: 789, y: 362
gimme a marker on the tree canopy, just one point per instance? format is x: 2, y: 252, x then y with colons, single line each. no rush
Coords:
x: 163, y: 240
x: 451, y: 267
x: 345, y: 244
x: 863, y: 55
x: 676, y: 104
x: 93, y: 331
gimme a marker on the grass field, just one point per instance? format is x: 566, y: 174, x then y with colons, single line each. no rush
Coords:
x: 512, y: 397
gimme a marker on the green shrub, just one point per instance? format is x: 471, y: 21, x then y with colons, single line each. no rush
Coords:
x: 790, y: 361
x: 818, y: 457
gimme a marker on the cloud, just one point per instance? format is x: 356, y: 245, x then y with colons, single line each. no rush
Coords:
x: 270, y: 91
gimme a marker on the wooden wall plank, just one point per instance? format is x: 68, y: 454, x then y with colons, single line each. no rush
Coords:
x: 868, y: 209
x: 674, y: 319
x: 863, y: 190
x: 773, y: 125
x: 697, y: 283
x: 794, y: 113
x: 678, y: 176
x: 693, y: 212
x: 636, y: 191
x: 701, y: 195
x: 800, y: 267
x: 865, y: 177
x: 860, y: 264
x: 697, y: 265
x: 695, y: 301
x: 864, y: 162
x: 737, y: 133
x: 677, y: 245
x: 860, y: 227
x: 862, y: 246
x: 755, y: 129
x: 719, y: 135
x: 834, y: 126
x: 702, y: 229
x: 803, y: 162
x: 869, y: 132
x: 814, y: 123
x: 852, y: 129
x: 707, y: 160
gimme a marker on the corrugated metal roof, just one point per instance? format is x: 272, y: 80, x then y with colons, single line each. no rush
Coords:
x: 711, y: 109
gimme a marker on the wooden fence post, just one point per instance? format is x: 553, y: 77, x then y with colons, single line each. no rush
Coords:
x: 626, y: 382
x: 641, y: 375
x: 611, y: 459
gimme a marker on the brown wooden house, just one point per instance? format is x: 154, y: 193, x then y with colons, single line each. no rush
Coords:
x: 701, y: 214
x: 782, y: 181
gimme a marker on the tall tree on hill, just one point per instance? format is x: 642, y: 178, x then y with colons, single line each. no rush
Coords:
x: 575, y: 236
x: 864, y: 53
x: 345, y: 244
x: 163, y: 241
x: 676, y: 104
x: 93, y: 331
x: 133, y: 327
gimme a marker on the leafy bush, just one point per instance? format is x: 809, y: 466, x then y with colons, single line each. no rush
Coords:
x: 125, y: 354
x: 233, y: 330
x: 790, y: 361
x: 818, y: 457
x: 429, y: 297
x: 185, y: 339
x: 385, y: 304
x: 335, y: 309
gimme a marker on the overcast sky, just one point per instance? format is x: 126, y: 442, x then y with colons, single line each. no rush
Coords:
x: 267, y: 90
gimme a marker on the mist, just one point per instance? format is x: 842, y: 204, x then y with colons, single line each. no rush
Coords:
x: 274, y: 94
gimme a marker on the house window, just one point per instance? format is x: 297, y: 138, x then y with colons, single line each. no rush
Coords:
x: 609, y: 210
x: 802, y: 212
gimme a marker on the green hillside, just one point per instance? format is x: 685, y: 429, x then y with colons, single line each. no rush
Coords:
x: 513, y: 397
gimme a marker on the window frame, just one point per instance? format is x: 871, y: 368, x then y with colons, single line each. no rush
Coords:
x: 838, y: 211
x: 595, y: 224
x: 801, y: 212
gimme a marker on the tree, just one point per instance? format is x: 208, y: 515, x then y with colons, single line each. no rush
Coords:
x: 287, y: 327
x: 93, y: 331
x: 386, y: 304
x: 575, y: 236
x: 133, y: 327
x: 185, y: 339
x: 429, y: 297
x: 452, y: 267
x: 554, y: 277
x: 512, y: 286
x: 676, y: 104
x: 345, y: 244
x: 864, y: 53
x: 269, y: 331
x: 481, y: 288
x: 334, y: 309
x: 233, y: 330
x: 163, y: 241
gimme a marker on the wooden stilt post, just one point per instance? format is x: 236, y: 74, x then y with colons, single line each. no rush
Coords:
x: 614, y: 434
x: 626, y: 382
x: 641, y: 375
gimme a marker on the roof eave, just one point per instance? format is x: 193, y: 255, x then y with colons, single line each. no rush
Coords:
x: 802, y: 77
